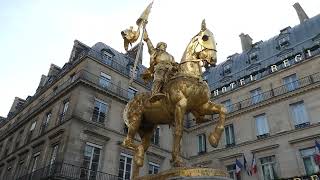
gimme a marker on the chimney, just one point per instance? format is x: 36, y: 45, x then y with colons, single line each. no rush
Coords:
x: 300, y: 12
x: 16, y: 105
x: 54, y: 70
x: 42, y: 80
x: 246, y: 42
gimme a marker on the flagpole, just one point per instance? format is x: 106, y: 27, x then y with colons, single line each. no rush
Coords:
x: 141, y: 22
x: 137, y: 56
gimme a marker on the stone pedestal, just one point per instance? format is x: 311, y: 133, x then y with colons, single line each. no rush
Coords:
x: 186, y: 173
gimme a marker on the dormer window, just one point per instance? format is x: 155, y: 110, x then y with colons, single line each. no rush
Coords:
x: 283, y: 41
x: 107, y: 56
x: 135, y: 72
x: 253, y: 57
x: 227, y: 68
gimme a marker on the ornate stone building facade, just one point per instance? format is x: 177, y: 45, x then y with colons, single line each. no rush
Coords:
x: 72, y: 127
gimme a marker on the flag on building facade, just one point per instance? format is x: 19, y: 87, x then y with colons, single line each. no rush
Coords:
x: 238, y: 167
x: 253, y: 165
x: 245, y: 166
x: 317, y: 155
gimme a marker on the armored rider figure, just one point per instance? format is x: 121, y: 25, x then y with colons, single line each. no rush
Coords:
x: 161, y: 62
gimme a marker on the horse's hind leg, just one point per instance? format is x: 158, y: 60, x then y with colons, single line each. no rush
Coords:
x: 180, y: 110
x: 145, y: 135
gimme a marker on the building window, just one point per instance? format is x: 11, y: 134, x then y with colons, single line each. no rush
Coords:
x: 231, y: 169
x: 284, y: 42
x: 262, y: 127
x: 99, y: 111
x: 227, y: 68
x: 90, y: 161
x: 131, y: 92
x: 20, y: 169
x: 253, y: 57
x: 64, y: 111
x: 268, y: 166
x: 202, y: 147
x: 45, y: 123
x: 18, y: 139
x: 153, y: 168
x: 1, y: 169
x: 31, y: 131
x: 9, y: 171
x: 1, y: 145
x: 125, y: 129
x: 135, y: 72
x: 34, y: 162
x: 299, y: 115
x: 230, y: 139
x: 107, y: 57
x: 256, y: 96
x: 308, y: 160
x: 228, y: 105
x: 105, y: 80
x: 205, y: 77
x: 291, y: 82
x: 73, y: 77
x: 156, y: 136
x: 54, y: 153
x: 7, y: 147
x: 125, y: 167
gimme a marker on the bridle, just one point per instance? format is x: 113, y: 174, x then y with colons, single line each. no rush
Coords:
x: 197, y: 44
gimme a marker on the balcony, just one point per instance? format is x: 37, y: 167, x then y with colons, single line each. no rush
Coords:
x: 302, y: 125
x: 281, y: 90
x: 262, y: 136
x: 59, y: 171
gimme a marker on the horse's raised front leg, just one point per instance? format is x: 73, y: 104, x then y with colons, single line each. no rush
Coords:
x: 212, y: 108
x: 180, y: 110
x: 145, y: 135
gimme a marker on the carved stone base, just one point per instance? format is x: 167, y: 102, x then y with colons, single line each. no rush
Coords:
x: 188, y: 173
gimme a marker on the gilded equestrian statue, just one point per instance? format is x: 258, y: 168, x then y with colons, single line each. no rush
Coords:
x: 185, y: 92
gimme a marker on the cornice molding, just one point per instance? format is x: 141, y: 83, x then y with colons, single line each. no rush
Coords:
x: 265, y: 148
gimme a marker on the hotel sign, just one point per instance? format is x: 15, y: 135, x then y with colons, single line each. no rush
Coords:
x: 312, y: 177
x: 273, y: 68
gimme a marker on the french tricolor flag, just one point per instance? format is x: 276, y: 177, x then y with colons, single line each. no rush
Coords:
x: 317, y: 155
x: 238, y: 167
x: 253, y: 165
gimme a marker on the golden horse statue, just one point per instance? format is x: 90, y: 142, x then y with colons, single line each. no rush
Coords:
x: 186, y: 92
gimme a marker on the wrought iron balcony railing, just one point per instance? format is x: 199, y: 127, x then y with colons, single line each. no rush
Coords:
x: 65, y: 171
x: 290, y: 87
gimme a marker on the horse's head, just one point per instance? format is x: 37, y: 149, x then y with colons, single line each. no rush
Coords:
x: 202, y: 46
x: 207, y: 51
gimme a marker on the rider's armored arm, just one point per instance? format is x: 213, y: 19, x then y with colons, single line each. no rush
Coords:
x: 151, y: 48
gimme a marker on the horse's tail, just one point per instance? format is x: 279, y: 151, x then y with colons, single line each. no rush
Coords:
x: 125, y: 114
x: 134, y: 107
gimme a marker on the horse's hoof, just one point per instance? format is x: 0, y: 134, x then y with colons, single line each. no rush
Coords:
x: 178, y: 163
x: 139, y: 162
x: 224, y: 110
x: 213, y: 141
x: 127, y: 143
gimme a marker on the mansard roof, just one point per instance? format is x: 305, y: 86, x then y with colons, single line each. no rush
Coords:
x: 268, y: 52
x: 119, y: 58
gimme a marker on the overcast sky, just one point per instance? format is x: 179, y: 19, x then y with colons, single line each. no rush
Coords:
x: 36, y: 33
